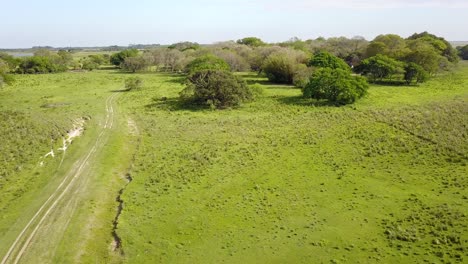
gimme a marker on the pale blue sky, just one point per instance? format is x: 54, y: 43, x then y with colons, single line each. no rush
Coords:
x: 27, y: 23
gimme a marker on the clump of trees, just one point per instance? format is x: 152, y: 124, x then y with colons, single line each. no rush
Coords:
x: 390, y: 58
x: 118, y: 58
x: 45, y: 61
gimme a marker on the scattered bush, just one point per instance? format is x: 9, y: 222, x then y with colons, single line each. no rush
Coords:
x: 218, y: 89
x: 337, y: 86
x: 133, y: 83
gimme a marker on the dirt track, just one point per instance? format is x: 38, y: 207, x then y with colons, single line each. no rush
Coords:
x: 41, y: 235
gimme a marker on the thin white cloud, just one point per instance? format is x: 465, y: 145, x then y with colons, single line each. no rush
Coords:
x: 365, y: 4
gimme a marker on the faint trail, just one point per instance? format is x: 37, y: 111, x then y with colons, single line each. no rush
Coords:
x: 57, y: 195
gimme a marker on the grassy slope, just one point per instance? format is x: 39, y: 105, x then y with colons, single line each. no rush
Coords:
x: 38, y: 108
x: 286, y: 180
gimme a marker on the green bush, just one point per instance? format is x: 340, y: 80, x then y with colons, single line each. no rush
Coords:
x: 302, y: 76
x: 280, y: 68
x: 133, y: 83
x: 337, y: 86
x: 218, y: 89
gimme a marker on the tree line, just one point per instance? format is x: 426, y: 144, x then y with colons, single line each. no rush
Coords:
x: 386, y: 59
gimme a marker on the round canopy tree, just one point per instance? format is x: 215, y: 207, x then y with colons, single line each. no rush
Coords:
x: 216, y: 88
x: 337, y: 86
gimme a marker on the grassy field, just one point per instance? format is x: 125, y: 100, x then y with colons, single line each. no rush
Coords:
x: 279, y: 180
x: 290, y: 180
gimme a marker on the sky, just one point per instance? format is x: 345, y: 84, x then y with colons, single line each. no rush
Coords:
x: 61, y: 23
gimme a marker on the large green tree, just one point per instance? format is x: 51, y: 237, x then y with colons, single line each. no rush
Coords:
x: 217, y: 89
x: 335, y: 85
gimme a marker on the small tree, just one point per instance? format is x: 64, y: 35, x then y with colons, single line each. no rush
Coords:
x: 414, y: 71
x: 133, y: 83
x: 218, y: 89
x: 337, y: 86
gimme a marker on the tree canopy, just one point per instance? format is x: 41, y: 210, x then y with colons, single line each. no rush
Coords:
x: 337, y: 86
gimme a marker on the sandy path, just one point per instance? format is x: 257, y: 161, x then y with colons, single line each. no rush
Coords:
x: 58, y: 204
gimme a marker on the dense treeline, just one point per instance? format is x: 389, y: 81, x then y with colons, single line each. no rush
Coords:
x: 386, y: 59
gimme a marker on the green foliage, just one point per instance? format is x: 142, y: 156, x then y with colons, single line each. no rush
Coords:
x: 425, y: 55
x: 207, y: 62
x: 390, y: 45
x: 335, y: 85
x: 257, y: 90
x: 443, y: 47
x: 414, y: 72
x: 5, y: 77
x: 134, y: 64
x: 379, y: 67
x: 89, y: 64
x: 118, y: 58
x: 251, y: 41
x: 11, y: 61
x: 279, y: 67
x: 40, y: 64
x: 302, y: 75
x: 216, y: 88
x: 326, y: 60
x: 463, y: 51
x: 183, y: 46
x: 133, y: 83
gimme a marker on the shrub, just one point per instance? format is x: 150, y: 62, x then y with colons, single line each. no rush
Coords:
x: 280, y: 68
x: 207, y: 62
x: 256, y: 90
x: 302, y: 75
x: 133, y: 83
x: 218, y: 89
x: 337, y: 86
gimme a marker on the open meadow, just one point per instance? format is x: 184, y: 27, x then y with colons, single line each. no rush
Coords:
x: 279, y: 180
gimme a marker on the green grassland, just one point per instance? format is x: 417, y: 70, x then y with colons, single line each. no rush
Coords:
x: 279, y: 180
x: 287, y: 180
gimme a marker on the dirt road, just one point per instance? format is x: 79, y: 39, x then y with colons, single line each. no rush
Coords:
x: 37, y: 241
